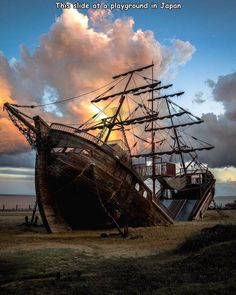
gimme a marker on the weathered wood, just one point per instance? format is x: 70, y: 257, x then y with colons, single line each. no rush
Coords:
x: 66, y: 188
x: 51, y: 221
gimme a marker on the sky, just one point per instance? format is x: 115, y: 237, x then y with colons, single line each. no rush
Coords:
x: 49, y: 51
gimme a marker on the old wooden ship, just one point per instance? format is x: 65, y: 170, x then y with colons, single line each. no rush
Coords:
x: 134, y: 155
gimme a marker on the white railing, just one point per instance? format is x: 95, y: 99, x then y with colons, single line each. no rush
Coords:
x: 160, y: 170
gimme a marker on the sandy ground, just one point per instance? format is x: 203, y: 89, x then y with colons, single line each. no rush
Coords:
x: 148, y: 262
x: 143, y: 241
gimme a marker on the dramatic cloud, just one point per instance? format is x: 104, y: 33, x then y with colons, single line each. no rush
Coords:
x: 78, y: 54
x: 11, y: 140
x: 221, y: 131
x: 225, y: 91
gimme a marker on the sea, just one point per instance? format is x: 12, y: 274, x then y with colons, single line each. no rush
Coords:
x: 26, y: 202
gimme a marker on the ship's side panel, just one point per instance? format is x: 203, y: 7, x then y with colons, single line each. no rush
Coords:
x: 53, y: 222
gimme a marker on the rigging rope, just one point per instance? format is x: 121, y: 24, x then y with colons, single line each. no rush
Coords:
x: 102, y: 203
x: 146, y: 78
x: 70, y: 98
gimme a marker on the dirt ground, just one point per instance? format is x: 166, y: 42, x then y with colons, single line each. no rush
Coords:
x: 148, y: 262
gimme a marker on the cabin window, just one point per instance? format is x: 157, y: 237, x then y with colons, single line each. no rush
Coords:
x: 57, y: 150
x: 86, y: 152
x: 137, y: 186
x: 145, y: 194
x: 69, y: 150
x: 196, y: 180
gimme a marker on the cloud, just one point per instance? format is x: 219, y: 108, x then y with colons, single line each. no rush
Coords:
x: 16, y: 170
x: 221, y: 131
x: 77, y: 55
x: 225, y: 92
x: 172, y: 57
x: 199, y: 98
x: 225, y: 175
x: 17, y: 159
x: 210, y: 83
x: 101, y: 19
x: 183, y: 51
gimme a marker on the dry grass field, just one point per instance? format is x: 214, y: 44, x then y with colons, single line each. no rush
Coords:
x: 185, y: 258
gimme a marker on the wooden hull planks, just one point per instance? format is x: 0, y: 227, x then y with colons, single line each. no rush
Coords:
x: 76, y: 179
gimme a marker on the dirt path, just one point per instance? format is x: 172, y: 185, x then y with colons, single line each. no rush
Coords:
x: 143, y: 241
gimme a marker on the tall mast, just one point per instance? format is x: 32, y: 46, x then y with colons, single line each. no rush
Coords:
x: 122, y: 98
x: 177, y: 137
x: 153, y: 145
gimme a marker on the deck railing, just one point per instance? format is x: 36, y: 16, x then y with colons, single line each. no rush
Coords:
x: 90, y: 137
x: 161, y: 169
x: 75, y: 131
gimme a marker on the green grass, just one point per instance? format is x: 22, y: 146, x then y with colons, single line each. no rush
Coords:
x: 33, y: 262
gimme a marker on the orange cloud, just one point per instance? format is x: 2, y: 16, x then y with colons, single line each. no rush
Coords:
x: 79, y: 54
x: 11, y: 139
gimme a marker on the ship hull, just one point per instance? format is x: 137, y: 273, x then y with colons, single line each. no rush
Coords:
x: 79, y: 184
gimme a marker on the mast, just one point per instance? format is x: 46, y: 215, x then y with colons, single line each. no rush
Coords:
x: 153, y: 145
x: 122, y: 99
x: 177, y: 137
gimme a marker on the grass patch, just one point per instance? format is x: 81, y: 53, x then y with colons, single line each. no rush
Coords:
x: 210, y: 271
x: 216, y: 288
x: 204, y: 264
x: 34, y: 262
x: 208, y: 236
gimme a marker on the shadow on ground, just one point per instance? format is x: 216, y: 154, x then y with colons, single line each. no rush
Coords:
x: 204, y: 264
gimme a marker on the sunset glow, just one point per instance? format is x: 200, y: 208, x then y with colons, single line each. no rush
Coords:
x: 79, y: 51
